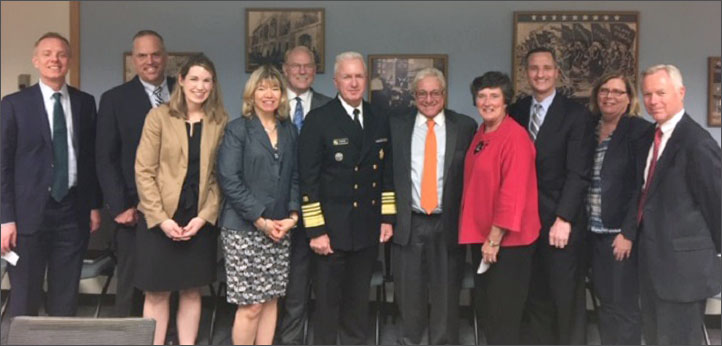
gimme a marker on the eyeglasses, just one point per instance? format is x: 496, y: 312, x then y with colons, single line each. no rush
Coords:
x: 435, y: 94
x: 299, y: 66
x: 613, y: 92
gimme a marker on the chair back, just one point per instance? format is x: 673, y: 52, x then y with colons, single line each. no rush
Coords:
x: 41, y: 331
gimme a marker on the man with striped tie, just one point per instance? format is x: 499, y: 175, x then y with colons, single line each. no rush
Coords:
x: 562, y: 131
x: 299, y: 67
x: 121, y: 116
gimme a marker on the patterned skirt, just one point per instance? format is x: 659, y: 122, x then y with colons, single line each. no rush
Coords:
x: 256, y: 266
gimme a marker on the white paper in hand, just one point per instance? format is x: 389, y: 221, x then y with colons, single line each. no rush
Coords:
x: 483, y: 267
x: 11, y: 257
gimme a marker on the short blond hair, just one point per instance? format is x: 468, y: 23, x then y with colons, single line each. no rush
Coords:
x: 671, y: 70
x: 265, y: 73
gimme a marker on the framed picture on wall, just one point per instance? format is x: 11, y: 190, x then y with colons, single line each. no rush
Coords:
x: 270, y: 32
x: 586, y: 45
x: 175, y: 62
x: 391, y: 75
x: 714, y: 95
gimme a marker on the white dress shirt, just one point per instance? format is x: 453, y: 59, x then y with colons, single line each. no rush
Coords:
x: 418, y: 147
x: 305, y: 101
x: 49, y: 103
x: 349, y: 110
x: 149, y: 88
x: 667, y: 130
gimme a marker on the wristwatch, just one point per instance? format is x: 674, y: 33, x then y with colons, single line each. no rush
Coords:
x: 493, y: 243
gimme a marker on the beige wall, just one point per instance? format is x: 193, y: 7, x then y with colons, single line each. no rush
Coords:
x: 21, y: 24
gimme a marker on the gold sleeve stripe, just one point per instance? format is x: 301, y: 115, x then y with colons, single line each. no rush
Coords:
x: 311, y: 207
x: 311, y: 210
x: 313, y: 221
x: 388, y: 203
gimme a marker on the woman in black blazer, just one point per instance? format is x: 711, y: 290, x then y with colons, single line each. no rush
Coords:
x: 257, y: 172
x: 614, y: 268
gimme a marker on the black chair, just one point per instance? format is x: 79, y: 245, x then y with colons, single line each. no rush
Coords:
x: 98, y: 264
x: 704, y: 327
x: 467, y: 283
x: 42, y: 331
x: 218, y: 296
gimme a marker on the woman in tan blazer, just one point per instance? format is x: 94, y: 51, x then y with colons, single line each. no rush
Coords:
x: 179, y: 197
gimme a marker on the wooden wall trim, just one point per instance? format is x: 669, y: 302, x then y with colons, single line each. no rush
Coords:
x: 75, y: 43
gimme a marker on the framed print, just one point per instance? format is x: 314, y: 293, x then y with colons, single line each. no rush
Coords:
x: 172, y: 67
x: 713, y: 92
x: 586, y: 45
x: 391, y: 75
x: 270, y: 32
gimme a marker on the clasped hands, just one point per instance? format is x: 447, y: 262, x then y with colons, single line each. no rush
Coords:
x: 275, y: 229
x: 177, y: 233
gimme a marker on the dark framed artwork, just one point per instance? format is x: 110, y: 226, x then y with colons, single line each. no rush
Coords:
x: 172, y: 66
x: 586, y: 45
x: 391, y: 75
x: 714, y: 94
x: 270, y: 32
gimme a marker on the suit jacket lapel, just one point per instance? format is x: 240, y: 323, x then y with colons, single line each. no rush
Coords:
x: 406, y: 134
x: 451, y: 134
x: 42, y: 114
x: 75, y: 108
x: 346, y: 124
x: 258, y: 133
x: 315, y: 102
x: 552, y: 120
x: 618, y: 137
x: 179, y: 127
x: 665, y: 160
x: 369, y: 124
x: 138, y: 94
x: 523, y: 111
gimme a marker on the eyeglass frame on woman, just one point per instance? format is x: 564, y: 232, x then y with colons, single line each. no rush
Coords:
x: 613, y: 92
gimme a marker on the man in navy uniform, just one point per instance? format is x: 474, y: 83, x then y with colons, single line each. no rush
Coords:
x: 348, y: 202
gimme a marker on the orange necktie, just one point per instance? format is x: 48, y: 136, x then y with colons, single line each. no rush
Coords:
x: 429, y: 198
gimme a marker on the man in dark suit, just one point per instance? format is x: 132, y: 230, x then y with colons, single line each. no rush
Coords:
x: 299, y: 67
x: 120, y: 122
x: 348, y: 202
x: 50, y: 194
x: 676, y: 221
x: 427, y: 259
x: 563, y: 135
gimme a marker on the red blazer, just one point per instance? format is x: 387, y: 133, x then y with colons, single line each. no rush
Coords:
x: 500, y: 187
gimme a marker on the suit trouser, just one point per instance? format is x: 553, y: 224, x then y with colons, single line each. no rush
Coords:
x: 668, y: 322
x: 58, y: 245
x: 295, y: 305
x: 501, y: 292
x: 556, y: 307
x: 341, y: 283
x: 427, y: 270
x: 617, y: 285
x: 128, y: 299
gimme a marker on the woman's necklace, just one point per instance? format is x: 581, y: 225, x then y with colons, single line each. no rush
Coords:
x: 269, y: 131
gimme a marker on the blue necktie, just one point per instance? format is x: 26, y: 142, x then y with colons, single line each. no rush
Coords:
x: 59, y: 187
x: 298, y: 114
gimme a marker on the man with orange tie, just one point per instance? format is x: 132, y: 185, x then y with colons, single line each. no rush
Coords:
x: 429, y: 145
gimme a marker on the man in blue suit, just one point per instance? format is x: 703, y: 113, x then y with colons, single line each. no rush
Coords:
x: 121, y: 116
x: 50, y: 193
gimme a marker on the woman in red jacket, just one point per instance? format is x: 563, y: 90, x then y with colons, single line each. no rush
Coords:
x: 499, y: 209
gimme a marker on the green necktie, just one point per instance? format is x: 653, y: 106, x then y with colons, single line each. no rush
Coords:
x: 60, y: 151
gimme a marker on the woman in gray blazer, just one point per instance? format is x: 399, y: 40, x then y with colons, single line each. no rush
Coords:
x: 258, y: 176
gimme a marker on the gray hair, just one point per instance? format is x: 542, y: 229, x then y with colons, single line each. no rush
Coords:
x: 428, y: 72
x: 674, y: 74
x: 349, y: 55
